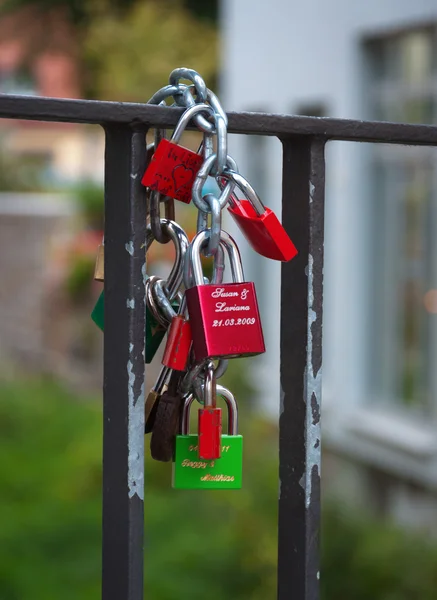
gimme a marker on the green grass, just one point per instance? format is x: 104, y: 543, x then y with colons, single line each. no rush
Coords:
x: 199, y: 545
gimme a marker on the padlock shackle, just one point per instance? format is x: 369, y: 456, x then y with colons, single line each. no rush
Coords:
x: 189, y: 380
x: 231, y: 404
x: 248, y: 191
x: 153, y: 304
x: 233, y: 254
x: 164, y: 304
x: 210, y: 387
x: 181, y: 244
x: 185, y: 416
x: 186, y: 118
x: 217, y: 269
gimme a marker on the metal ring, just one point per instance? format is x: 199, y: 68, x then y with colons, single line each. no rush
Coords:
x: 195, y: 372
x: 218, y: 265
x: 242, y: 184
x: 202, y: 221
x: 165, y: 92
x: 200, y: 179
x: 209, y: 395
x: 156, y: 200
x: 181, y: 243
x: 182, y: 97
x: 155, y: 218
x: 222, y: 145
x: 191, y: 75
x: 151, y: 304
x: 231, y: 248
x: 206, y: 147
x: 186, y: 100
x: 216, y: 224
x: 158, y: 291
x: 212, y: 99
x: 215, y: 103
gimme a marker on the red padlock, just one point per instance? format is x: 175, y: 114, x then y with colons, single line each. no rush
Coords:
x: 177, y: 348
x: 224, y: 318
x: 173, y: 168
x: 210, y: 420
x: 259, y: 225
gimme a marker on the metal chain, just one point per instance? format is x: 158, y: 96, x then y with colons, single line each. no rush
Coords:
x: 215, y: 161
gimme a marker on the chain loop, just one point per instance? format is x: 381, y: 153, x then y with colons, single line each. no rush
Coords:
x: 216, y: 224
x: 191, y: 75
x: 200, y: 180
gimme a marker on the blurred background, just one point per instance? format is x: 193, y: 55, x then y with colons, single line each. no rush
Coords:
x: 373, y: 60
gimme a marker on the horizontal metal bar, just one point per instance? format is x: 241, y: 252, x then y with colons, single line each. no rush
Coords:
x: 283, y: 126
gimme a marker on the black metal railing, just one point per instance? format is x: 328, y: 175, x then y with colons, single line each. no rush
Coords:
x: 303, y: 140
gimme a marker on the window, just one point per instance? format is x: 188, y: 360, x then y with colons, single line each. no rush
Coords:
x: 403, y: 87
x: 404, y: 77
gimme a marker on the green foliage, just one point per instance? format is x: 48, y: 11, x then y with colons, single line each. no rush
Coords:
x: 128, y: 47
x: 49, y: 510
x: 77, y: 11
x: 91, y: 202
x: 132, y: 56
x: 21, y: 173
x: 203, y: 10
x: 79, y: 278
x: 211, y: 545
x: 365, y: 558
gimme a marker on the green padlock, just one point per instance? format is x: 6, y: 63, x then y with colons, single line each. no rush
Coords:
x: 156, y: 329
x: 192, y: 473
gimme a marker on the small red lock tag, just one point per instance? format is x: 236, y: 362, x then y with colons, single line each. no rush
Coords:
x: 259, y: 225
x: 224, y: 318
x: 173, y: 168
x: 210, y: 420
x: 210, y: 432
x: 177, y: 348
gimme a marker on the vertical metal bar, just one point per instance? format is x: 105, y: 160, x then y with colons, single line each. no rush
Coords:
x: 301, y: 371
x: 124, y: 369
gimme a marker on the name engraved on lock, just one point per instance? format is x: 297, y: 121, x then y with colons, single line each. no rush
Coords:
x: 229, y: 322
x: 190, y: 472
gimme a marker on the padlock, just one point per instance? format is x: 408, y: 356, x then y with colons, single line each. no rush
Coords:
x: 99, y: 269
x: 179, y: 337
x: 155, y: 328
x: 173, y: 168
x: 177, y: 348
x: 153, y: 397
x: 226, y: 472
x: 166, y: 420
x: 210, y: 419
x: 259, y: 225
x: 225, y: 318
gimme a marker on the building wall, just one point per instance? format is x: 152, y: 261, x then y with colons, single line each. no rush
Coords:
x: 294, y: 58
x: 282, y: 56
